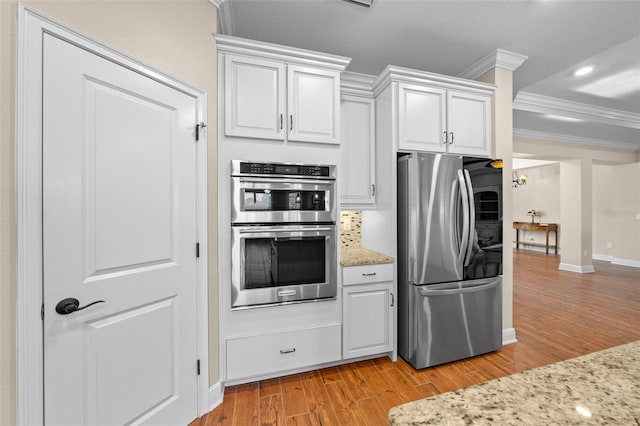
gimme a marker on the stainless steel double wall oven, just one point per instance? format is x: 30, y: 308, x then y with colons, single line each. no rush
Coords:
x: 283, y: 218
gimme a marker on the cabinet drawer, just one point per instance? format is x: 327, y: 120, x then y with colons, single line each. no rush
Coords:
x: 365, y: 274
x: 271, y: 353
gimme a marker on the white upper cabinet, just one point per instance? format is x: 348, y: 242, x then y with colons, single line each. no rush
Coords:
x: 279, y: 93
x: 435, y: 113
x: 469, y: 123
x: 254, y: 98
x: 357, y: 177
x: 422, y: 118
x: 313, y: 105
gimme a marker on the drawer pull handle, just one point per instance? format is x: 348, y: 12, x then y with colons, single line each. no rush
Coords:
x: 287, y: 351
x: 371, y: 274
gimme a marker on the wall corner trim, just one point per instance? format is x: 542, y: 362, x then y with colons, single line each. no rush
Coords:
x: 508, y: 336
x: 216, y: 395
x: 581, y: 269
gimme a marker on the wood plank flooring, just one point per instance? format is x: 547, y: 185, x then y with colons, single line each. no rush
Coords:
x: 557, y: 315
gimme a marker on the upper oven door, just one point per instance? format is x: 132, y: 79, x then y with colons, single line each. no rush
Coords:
x: 282, y: 200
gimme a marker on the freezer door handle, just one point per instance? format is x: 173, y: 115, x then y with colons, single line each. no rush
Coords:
x: 466, y: 224
x: 454, y: 291
x: 472, y: 217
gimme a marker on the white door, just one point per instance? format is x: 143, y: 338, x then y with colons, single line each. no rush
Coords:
x: 254, y: 98
x: 422, y: 118
x: 313, y: 102
x: 119, y: 226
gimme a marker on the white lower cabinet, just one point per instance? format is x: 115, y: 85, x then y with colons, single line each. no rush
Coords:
x: 256, y: 356
x: 368, y: 304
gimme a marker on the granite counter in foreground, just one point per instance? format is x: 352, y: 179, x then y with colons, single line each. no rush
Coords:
x: 352, y: 256
x: 598, y: 388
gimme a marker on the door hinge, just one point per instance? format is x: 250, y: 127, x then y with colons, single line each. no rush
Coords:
x: 198, y: 126
x: 197, y: 249
x: 42, y: 312
x: 198, y: 367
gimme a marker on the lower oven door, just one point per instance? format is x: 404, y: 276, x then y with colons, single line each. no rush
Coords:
x: 282, y: 264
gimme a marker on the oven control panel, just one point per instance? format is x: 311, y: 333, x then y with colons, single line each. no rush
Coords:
x: 284, y: 169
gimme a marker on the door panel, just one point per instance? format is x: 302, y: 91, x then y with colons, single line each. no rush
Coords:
x: 138, y: 230
x: 119, y: 225
x: 105, y: 348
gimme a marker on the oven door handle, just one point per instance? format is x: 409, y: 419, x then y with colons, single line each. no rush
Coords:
x: 270, y: 229
x: 327, y: 182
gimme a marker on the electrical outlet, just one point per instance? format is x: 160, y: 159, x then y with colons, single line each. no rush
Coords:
x: 609, y: 245
x: 586, y: 253
x: 346, y: 225
x: 637, y: 216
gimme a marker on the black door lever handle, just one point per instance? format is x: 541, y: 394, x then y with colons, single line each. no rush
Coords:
x: 66, y: 306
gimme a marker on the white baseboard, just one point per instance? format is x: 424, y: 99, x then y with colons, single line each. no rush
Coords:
x: 625, y: 262
x: 508, y: 336
x: 576, y: 268
x: 603, y: 257
x: 216, y: 394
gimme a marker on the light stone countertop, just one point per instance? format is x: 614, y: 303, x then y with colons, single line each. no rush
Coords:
x: 598, y: 388
x: 352, y: 256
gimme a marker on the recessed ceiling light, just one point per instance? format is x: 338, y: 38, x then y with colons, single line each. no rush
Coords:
x: 583, y: 71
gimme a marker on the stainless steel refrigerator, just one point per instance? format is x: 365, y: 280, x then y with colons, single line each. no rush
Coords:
x: 449, y: 258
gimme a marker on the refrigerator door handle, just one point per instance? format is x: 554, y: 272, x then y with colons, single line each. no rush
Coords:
x: 465, y: 219
x: 472, y: 218
x: 450, y: 291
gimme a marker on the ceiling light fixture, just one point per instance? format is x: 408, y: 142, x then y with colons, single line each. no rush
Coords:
x: 583, y: 71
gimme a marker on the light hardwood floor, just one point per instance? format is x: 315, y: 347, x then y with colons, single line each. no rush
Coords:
x: 557, y: 315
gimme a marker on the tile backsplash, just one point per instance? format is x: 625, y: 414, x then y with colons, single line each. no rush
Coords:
x: 350, y: 229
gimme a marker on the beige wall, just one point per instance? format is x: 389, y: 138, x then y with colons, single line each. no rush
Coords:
x: 542, y: 193
x: 172, y: 36
x: 502, y: 131
x: 626, y: 212
x: 602, y: 209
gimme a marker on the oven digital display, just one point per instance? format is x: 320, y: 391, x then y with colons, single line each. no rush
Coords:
x: 282, y: 169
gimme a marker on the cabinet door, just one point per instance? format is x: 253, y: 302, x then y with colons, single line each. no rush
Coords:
x: 313, y: 105
x: 254, y: 98
x: 357, y: 151
x: 367, y: 322
x: 421, y: 118
x: 469, y: 120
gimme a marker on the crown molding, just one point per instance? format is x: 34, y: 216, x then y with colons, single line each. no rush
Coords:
x: 532, y: 102
x: 556, y: 137
x: 407, y: 75
x: 353, y: 83
x: 217, y: 3
x: 243, y: 46
x: 499, y: 59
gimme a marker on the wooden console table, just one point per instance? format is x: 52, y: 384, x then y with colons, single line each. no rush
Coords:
x: 546, y: 227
